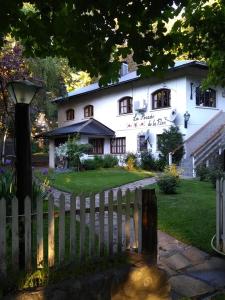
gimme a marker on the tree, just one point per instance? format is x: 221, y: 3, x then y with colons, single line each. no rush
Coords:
x: 200, y: 35
x: 94, y: 35
x: 12, y: 67
x: 169, y: 141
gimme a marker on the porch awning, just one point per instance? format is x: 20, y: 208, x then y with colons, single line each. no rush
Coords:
x: 89, y: 127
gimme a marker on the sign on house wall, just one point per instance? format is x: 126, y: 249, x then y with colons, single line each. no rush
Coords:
x: 149, y: 120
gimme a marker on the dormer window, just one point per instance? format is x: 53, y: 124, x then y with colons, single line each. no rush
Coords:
x: 161, y: 99
x: 88, y: 111
x: 125, y: 105
x: 70, y: 114
x: 205, y: 98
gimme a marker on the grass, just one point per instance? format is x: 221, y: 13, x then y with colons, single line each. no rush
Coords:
x: 95, y: 181
x: 189, y: 215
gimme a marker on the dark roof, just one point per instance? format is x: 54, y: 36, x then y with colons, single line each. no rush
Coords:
x: 89, y: 127
x: 132, y: 76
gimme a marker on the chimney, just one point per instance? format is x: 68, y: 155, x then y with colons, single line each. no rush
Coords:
x: 124, y: 69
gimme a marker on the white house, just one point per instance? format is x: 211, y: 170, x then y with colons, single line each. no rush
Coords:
x: 128, y: 116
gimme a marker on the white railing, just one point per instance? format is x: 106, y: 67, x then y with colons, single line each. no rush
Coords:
x: 220, y: 215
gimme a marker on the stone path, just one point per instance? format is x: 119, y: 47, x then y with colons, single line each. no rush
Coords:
x: 192, y: 273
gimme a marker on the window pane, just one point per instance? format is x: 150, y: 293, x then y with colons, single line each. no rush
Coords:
x: 70, y: 114
x: 143, y: 144
x: 88, y: 111
x: 125, y: 105
x: 205, y: 98
x: 161, y: 99
x: 118, y: 145
x: 98, y: 146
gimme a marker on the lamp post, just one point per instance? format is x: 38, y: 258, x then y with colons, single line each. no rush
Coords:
x: 186, y: 119
x: 22, y: 93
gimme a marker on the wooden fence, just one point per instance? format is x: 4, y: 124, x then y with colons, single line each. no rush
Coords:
x: 220, y: 215
x: 80, y: 228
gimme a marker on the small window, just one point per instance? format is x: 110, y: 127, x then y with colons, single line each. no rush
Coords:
x: 125, y: 105
x: 205, y: 98
x: 161, y: 99
x: 88, y: 111
x: 98, y: 146
x: 70, y: 114
x: 143, y: 144
x: 118, y: 145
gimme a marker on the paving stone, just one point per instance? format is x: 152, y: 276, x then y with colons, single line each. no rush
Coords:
x: 187, y: 286
x: 176, y: 261
x: 210, y: 264
x: 195, y: 255
x: 215, y: 278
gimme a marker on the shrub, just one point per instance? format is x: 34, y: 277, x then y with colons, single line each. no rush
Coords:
x: 89, y: 164
x: 172, y: 170
x: 147, y: 161
x: 167, y: 184
x: 215, y: 174
x: 202, y: 172
x: 131, y: 161
x: 170, y: 140
x: 109, y: 161
x: 160, y: 164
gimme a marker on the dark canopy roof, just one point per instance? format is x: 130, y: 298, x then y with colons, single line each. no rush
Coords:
x: 89, y: 127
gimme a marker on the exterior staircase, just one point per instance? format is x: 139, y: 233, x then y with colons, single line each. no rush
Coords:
x: 203, y: 143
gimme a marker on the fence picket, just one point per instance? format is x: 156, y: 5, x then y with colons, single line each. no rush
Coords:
x: 101, y: 223
x: 3, y: 236
x: 61, y: 228
x: 119, y: 220
x: 51, y: 232
x: 40, y: 241
x: 27, y: 211
x: 92, y: 226
x: 15, y: 234
x: 73, y: 228
x: 136, y: 218
x: 82, y: 226
x: 139, y: 200
x: 110, y: 222
x: 223, y: 216
x: 127, y: 219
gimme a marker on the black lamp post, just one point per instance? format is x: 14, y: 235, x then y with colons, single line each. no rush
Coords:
x: 186, y: 119
x: 22, y: 93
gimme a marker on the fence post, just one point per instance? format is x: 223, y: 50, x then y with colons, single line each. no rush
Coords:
x: 149, y: 223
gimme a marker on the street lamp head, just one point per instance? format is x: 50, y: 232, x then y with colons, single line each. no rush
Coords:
x: 22, y: 91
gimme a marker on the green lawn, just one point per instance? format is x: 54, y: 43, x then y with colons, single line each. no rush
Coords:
x: 189, y: 215
x: 97, y: 180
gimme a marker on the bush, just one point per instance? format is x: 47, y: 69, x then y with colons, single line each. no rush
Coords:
x: 131, y: 161
x: 148, y: 162
x: 202, y: 172
x: 172, y: 170
x: 215, y: 174
x: 160, y: 164
x: 109, y: 161
x: 89, y: 164
x: 167, y: 184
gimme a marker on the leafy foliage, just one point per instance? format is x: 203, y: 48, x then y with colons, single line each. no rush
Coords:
x: 171, y: 140
x: 167, y: 184
x: 131, y: 161
x: 95, y: 35
x: 107, y: 161
x: 73, y: 151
